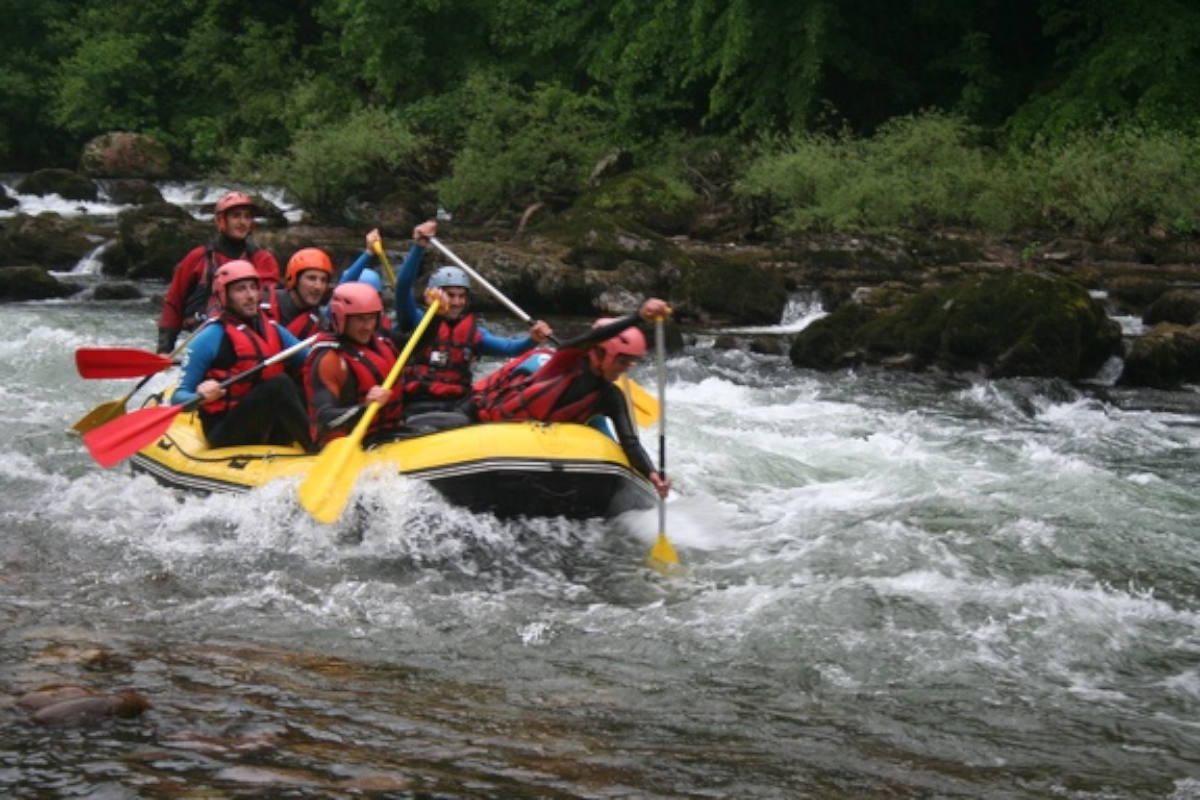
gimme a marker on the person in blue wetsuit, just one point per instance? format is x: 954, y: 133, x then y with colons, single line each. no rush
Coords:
x: 264, y: 409
x: 437, y: 377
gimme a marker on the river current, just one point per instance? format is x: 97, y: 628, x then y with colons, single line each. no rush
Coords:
x: 897, y: 586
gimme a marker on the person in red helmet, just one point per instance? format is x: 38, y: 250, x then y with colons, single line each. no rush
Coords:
x: 346, y: 367
x: 576, y: 383
x: 188, y: 300
x: 297, y: 304
x: 264, y: 409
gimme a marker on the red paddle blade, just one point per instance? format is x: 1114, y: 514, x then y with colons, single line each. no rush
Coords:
x: 118, y: 362
x: 116, y: 441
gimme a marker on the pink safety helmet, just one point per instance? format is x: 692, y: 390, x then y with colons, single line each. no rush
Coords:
x: 629, y: 342
x: 231, y: 272
x: 230, y: 200
x: 352, y: 298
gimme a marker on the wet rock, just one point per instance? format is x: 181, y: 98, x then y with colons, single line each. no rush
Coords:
x: 1023, y: 324
x: 151, y: 240
x: 133, y: 191
x: 1165, y: 357
x: 47, y: 240
x: 65, y: 183
x: 90, y: 708
x: 7, y: 201
x: 122, y: 154
x: 1181, y: 306
x: 51, y: 695
x: 725, y: 341
x: 31, y: 283
x: 767, y: 345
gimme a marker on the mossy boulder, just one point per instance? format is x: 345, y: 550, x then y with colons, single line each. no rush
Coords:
x: 1022, y: 324
x: 65, y: 183
x: 1181, y: 306
x: 151, y: 239
x: 31, y: 283
x: 122, y: 154
x: 743, y: 291
x: 1163, y: 358
x: 49, y: 240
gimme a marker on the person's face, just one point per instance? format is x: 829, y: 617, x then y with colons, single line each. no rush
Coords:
x: 239, y: 222
x: 361, y: 327
x: 311, y: 285
x: 619, y: 366
x: 241, y: 297
x: 458, y: 302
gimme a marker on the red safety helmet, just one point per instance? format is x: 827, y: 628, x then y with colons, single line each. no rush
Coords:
x: 231, y: 272
x: 352, y: 298
x: 231, y: 200
x: 630, y: 342
x: 308, y: 258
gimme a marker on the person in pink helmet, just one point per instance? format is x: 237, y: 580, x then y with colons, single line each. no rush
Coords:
x: 264, y: 409
x: 188, y: 300
x: 576, y: 383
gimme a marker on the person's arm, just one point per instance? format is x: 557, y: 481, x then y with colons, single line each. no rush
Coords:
x: 197, y: 358
x: 607, y: 331
x: 492, y: 345
x: 354, y: 271
x: 612, y: 405
x: 289, y: 339
x: 170, y: 321
x: 329, y: 383
x: 267, y: 266
x: 408, y: 313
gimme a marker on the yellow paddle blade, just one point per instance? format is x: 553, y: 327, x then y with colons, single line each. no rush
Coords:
x: 105, y: 412
x: 645, y: 407
x: 663, y: 558
x: 326, y: 489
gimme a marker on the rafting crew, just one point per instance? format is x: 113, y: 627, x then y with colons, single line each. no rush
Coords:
x: 297, y: 303
x: 576, y: 383
x: 347, y: 366
x: 266, y: 409
x: 437, y: 379
x: 188, y: 300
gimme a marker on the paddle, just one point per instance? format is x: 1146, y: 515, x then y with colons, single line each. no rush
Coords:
x: 115, y: 441
x: 119, y: 362
x: 106, y: 412
x: 645, y: 408
x: 327, y: 487
x: 662, y: 555
x: 387, y: 265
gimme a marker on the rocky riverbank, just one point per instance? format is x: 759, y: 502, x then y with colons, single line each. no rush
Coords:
x: 887, y: 293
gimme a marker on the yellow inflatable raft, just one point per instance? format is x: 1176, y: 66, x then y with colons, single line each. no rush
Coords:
x: 508, y: 469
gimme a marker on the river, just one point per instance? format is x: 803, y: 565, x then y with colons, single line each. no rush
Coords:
x: 897, y: 585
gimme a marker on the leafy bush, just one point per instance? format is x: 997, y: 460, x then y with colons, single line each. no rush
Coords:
x: 915, y: 171
x: 523, y: 147
x: 370, y: 149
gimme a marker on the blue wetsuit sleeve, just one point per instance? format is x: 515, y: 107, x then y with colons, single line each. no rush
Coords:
x: 199, y: 355
x: 492, y: 345
x: 289, y: 339
x: 407, y: 312
x: 354, y: 271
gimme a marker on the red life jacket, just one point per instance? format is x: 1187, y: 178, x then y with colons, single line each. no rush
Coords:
x: 441, y: 366
x: 510, y: 395
x: 303, y: 325
x: 369, y: 365
x: 249, y: 350
x: 201, y: 303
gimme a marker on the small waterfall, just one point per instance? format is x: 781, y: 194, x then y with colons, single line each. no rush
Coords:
x: 90, y: 263
x: 803, y: 308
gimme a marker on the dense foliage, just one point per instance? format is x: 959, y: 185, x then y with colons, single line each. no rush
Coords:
x: 1010, y: 111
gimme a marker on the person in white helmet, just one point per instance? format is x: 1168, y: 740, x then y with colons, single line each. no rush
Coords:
x: 437, y: 378
x: 188, y: 300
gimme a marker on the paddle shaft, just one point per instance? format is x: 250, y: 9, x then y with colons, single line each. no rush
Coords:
x: 387, y: 265
x: 394, y: 374
x: 492, y: 290
x: 660, y: 349
x: 282, y: 355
